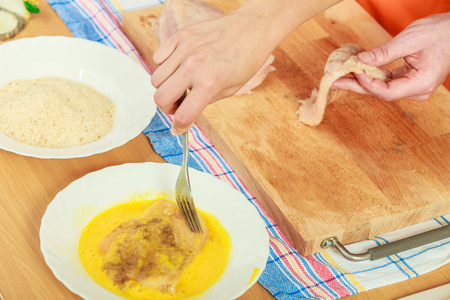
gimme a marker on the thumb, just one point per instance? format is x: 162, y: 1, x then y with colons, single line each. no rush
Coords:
x: 177, y: 129
x: 387, y: 53
x: 188, y: 111
x: 181, y: 121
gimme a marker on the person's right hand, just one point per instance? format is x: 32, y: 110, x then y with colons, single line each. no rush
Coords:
x: 424, y: 45
x: 213, y: 59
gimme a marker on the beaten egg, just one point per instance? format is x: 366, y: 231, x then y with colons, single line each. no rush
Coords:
x: 200, y: 273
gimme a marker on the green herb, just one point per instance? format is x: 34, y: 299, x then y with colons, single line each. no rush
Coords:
x: 31, y: 6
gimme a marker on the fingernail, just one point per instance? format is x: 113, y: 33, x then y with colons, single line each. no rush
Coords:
x: 335, y: 84
x: 175, y: 131
x: 366, y: 57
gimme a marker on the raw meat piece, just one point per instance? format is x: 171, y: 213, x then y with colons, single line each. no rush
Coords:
x: 178, y: 14
x: 152, y: 250
x: 340, y: 62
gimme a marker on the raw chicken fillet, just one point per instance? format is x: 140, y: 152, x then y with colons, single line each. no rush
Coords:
x: 340, y: 62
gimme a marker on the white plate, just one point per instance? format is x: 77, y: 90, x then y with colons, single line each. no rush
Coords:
x: 75, y: 206
x: 106, y: 69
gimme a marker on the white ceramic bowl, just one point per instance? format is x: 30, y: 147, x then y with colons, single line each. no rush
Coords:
x: 106, y: 69
x: 75, y: 206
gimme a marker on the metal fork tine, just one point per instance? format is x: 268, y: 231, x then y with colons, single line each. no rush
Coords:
x: 191, y: 217
x: 183, y: 188
x: 181, y: 206
x: 195, y: 224
x: 187, y: 214
x: 194, y: 215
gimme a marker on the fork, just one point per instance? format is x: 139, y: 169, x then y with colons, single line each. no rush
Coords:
x: 183, y: 191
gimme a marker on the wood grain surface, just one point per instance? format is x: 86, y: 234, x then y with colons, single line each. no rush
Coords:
x: 370, y: 167
x: 28, y: 185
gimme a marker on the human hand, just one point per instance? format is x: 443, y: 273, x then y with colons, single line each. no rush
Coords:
x: 424, y: 47
x: 213, y: 59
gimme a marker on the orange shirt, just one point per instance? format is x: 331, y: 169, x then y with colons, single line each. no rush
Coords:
x: 395, y: 15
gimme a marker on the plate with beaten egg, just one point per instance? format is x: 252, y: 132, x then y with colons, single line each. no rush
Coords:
x: 117, y: 233
x: 66, y: 97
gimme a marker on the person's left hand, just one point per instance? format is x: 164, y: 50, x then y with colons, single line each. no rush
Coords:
x: 424, y: 45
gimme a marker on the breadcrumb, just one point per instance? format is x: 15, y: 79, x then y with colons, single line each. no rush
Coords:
x: 54, y: 112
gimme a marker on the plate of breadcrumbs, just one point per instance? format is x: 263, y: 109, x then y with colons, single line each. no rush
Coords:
x: 65, y: 97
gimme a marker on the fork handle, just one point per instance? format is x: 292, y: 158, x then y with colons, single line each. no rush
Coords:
x: 184, y: 138
x: 185, y: 144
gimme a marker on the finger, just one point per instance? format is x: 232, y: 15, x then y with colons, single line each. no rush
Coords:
x: 165, y: 50
x: 166, y: 70
x: 349, y: 84
x: 399, y: 47
x: 188, y: 112
x: 410, y: 88
x: 400, y: 71
x: 167, y: 95
x: 169, y: 60
x: 398, y: 88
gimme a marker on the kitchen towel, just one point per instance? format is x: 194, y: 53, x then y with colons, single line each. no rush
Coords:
x: 288, y: 275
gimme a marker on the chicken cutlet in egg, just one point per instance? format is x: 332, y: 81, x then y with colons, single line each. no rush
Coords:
x: 151, y: 253
x: 153, y: 249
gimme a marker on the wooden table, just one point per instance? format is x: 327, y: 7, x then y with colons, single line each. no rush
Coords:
x: 29, y: 184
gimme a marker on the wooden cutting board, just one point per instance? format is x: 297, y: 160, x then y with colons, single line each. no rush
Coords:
x: 370, y: 167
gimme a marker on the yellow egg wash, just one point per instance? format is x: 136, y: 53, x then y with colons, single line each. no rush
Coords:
x: 197, y: 276
x: 255, y: 272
